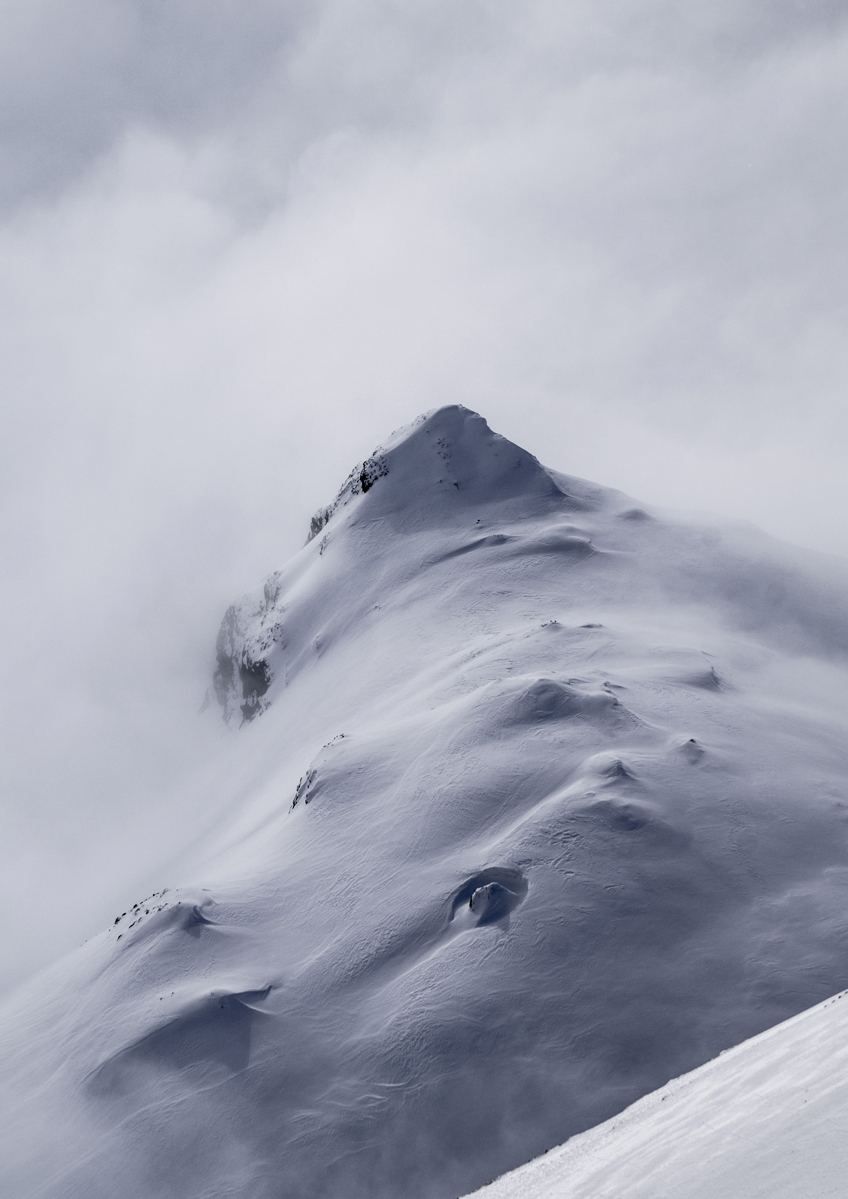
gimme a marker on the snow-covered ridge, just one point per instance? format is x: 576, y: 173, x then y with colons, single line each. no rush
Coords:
x: 445, y: 465
x: 439, y: 465
x: 766, y: 1120
x: 547, y: 805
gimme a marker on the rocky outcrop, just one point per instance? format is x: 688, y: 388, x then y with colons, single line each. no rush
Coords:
x: 361, y: 479
x: 249, y: 632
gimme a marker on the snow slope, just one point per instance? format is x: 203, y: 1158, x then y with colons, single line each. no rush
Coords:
x: 537, y: 800
x: 766, y: 1120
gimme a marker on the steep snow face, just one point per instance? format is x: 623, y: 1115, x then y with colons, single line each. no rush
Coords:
x: 434, y: 473
x: 545, y: 805
x: 767, y: 1120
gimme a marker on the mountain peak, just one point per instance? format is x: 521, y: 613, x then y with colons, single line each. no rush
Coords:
x: 547, y: 806
x: 445, y: 461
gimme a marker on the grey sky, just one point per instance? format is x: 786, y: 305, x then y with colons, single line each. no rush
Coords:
x: 241, y: 242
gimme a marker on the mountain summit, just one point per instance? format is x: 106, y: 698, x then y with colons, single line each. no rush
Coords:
x: 537, y: 799
x: 441, y: 465
x: 446, y: 470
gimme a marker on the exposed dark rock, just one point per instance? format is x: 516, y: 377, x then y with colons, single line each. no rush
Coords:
x: 242, y: 675
x: 318, y: 521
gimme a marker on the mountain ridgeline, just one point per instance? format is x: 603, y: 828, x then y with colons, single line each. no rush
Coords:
x: 543, y: 801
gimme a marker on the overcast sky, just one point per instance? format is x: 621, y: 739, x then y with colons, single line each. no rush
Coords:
x: 243, y: 240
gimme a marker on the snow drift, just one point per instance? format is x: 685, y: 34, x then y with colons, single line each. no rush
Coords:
x: 538, y: 800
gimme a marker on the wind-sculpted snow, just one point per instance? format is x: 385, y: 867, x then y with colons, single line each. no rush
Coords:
x: 547, y: 803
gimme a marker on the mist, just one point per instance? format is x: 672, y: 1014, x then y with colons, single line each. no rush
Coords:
x: 241, y: 243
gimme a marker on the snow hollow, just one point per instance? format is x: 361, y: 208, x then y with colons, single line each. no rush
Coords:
x: 537, y: 800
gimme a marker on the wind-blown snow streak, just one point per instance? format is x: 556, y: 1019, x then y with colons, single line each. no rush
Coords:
x: 544, y: 804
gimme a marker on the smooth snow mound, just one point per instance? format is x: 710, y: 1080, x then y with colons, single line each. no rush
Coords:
x: 766, y: 1120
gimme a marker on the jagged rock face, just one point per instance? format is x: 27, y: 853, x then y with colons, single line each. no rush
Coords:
x: 361, y: 479
x: 248, y: 634
x: 547, y: 805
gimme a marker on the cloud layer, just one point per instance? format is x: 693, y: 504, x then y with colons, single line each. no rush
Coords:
x: 241, y: 242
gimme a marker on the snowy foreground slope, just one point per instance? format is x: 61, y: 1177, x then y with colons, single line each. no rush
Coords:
x: 535, y: 802
x: 767, y: 1120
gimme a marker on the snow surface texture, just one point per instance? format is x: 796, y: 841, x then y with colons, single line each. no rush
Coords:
x: 538, y: 800
x: 767, y: 1120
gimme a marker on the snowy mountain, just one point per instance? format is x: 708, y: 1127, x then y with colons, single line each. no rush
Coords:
x: 537, y: 801
x: 766, y: 1120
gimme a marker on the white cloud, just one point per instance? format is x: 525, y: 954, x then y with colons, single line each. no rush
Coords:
x: 244, y: 241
